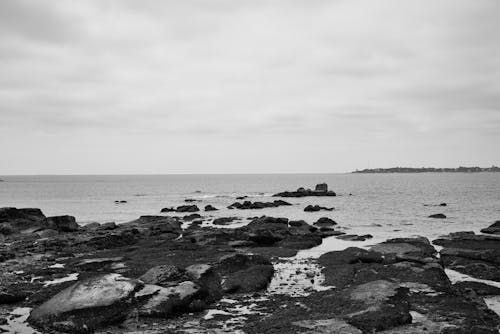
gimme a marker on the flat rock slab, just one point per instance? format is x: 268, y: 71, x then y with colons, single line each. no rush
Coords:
x: 87, y: 304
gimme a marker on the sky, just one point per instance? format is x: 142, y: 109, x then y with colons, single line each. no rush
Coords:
x: 257, y: 86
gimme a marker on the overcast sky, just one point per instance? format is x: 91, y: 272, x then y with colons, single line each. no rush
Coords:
x: 230, y: 86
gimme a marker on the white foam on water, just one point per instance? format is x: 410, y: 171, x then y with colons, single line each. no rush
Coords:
x: 456, y: 276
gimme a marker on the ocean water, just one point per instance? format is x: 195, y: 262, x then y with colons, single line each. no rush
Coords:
x: 384, y: 205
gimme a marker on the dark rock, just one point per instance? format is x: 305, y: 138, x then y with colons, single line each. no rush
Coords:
x: 187, y: 208
x: 480, y: 289
x: 210, y: 208
x: 241, y: 197
x: 168, y: 210
x: 109, y: 241
x: 208, y: 279
x: 15, y: 220
x: 87, y: 305
x: 13, y: 293
x: 224, y: 220
x: 257, y: 205
x: 163, y: 275
x: 108, y: 226
x: 314, y: 208
x: 120, y: 202
x: 190, y: 200
x: 191, y: 217
x: 321, y: 187
x: 62, y: 223
x: 355, y: 237
x: 321, y: 190
x: 243, y: 273
x: 325, y: 222
x: 438, y: 216
x: 493, y: 228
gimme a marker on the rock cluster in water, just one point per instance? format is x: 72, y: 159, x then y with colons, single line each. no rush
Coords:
x: 320, y: 190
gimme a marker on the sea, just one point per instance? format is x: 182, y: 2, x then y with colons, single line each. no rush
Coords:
x: 383, y: 205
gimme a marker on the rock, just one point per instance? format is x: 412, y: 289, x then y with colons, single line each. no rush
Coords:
x: 163, y: 275
x: 114, y: 240
x: 327, y: 326
x: 480, y: 289
x: 321, y: 190
x: 191, y: 217
x: 62, y: 223
x: 157, y: 223
x: 16, y: 220
x: 165, y: 302
x: 108, y: 226
x: 224, y: 220
x: 243, y: 273
x: 209, y: 280
x: 13, y: 293
x: 354, y: 237
x: 321, y: 187
x: 87, y: 305
x: 97, y: 263
x: 267, y: 230
x: 168, y: 210
x: 325, y: 222
x: 493, y: 228
x: 190, y: 200
x: 257, y: 205
x: 210, y: 208
x: 120, y: 202
x: 474, y: 255
x: 187, y: 208
x: 438, y: 216
x: 314, y: 208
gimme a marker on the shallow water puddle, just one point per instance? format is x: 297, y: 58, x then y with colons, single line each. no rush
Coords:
x: 16, y: 322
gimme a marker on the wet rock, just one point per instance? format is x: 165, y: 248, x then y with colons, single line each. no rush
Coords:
x: 267, y: 230
x: 114, y: 240
x: 187, y: 208
x: 165, y: 302
x: 355, y: 237
x: 87, y: 305
x: 96, y: 264
x: 191, y: 217
x: 493, y: 228
x: 325, y: 222
x: 321, y: 190
x: 243, y: 273
x: 438, y: 216
x: 246, y: 205
x: 210, y: 208
x: 224, y: 220
x: 471, y: 254
x: 62, y: 223
x: 315, y: 208
x: 171, y: 209
x: 163, y: 275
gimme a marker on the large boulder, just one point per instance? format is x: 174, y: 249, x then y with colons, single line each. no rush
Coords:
x: 13, y: 220
x: 87, y: 305
x: 163, y: 275
x: 165, y: 302
x: 244, y: 272
x: 62, y: 223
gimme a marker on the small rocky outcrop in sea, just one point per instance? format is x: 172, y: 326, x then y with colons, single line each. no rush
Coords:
x: 325, y: 222
x: 315, y: 208
x: 438, y: 216
x: 257, y: 205
x: 224, y: 220
x: 182, y: 208
x: 210, y: 208
x: 493, y: 228
x: 320, y: 190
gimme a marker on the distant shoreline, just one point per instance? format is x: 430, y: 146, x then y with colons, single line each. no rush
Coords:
x: 427, y: 170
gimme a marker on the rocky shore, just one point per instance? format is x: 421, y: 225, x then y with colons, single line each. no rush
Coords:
x: 162, y: 274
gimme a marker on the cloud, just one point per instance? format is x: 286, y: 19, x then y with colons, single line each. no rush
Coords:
x: 239, y: 75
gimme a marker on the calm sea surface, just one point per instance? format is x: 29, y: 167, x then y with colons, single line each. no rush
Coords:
x: 385, y: 205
